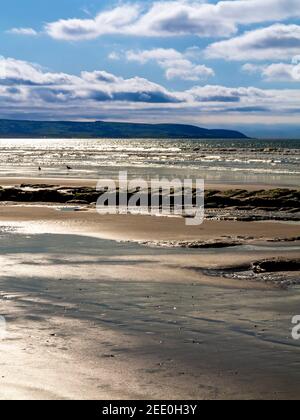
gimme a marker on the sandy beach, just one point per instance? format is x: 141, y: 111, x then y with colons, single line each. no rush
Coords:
x: 75, y: 182
x: 137, y: 325
x: 139, y: 227
x: 139, y: 313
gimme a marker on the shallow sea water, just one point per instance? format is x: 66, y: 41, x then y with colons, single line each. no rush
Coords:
x: 241, y: 161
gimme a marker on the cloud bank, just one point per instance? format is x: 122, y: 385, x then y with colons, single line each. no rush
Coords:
x: 28, y: 89
x: 175, y: 18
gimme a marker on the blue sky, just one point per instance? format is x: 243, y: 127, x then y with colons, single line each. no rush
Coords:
x: 233, y: 63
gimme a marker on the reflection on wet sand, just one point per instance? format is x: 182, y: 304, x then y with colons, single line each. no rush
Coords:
x: 94, y: 318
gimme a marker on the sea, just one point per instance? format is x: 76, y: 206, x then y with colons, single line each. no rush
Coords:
x: 270, y: 162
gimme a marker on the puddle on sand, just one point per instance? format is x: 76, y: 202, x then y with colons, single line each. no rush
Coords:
x: 269, y: 247
x: 285, y: 222
x: 69, y: 209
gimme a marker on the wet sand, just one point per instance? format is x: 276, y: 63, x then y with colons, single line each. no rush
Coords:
x: 75, y: 182
x: 139, y: 227
x: 91, y: 318
x: 93, y: 314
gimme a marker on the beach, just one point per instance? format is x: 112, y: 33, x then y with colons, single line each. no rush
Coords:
x: 150, y: 203
x: 142, y: 307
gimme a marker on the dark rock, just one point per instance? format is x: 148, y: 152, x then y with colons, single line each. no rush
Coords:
x: 276, y: 265
x: 253, y: 201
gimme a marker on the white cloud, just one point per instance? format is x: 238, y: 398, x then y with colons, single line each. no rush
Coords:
x: 276, y: 42
x: 174, y: 18
x: 160, y: 55
x: 18, y: 72
x: 177, y: 65
x: 98, y: 86
x: 276, y: 72
x: 114, y: 56
x: 23, y: 31
x: 108, y: 22
x: 282, y: 72
x: 227, y: 95
x: 251, y: 68
x: 185, y: 70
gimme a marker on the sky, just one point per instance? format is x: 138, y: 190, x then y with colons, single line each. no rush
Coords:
x: 232, y: 64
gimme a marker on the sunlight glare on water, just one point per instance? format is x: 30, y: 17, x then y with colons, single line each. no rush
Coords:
x: 215, y: 160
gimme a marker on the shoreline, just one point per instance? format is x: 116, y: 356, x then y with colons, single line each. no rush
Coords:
x: 91, y: 183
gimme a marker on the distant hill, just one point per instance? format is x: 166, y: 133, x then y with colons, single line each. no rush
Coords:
x: 100, y: 129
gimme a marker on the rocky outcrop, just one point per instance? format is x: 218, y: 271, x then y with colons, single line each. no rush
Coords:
x: 268, y: 200
x: 277, y: 272
x: 240, y: 202
x: 275, y: 265
x: 48, y: 194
